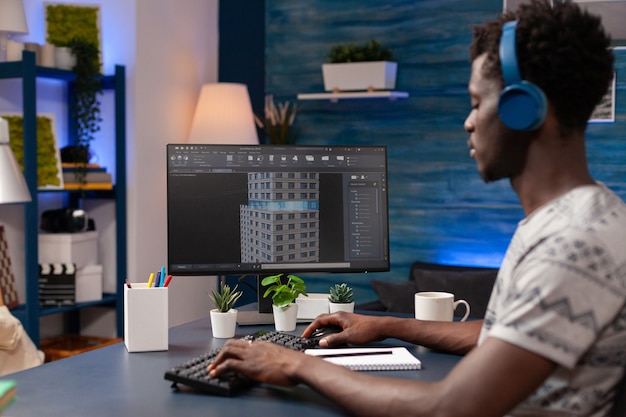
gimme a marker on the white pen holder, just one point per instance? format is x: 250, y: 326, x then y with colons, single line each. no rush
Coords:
x: 145, y: 318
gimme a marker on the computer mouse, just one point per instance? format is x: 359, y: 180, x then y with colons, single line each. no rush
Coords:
x: 324, y: 331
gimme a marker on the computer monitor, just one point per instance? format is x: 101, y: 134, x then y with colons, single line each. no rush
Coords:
x: 268, y: 209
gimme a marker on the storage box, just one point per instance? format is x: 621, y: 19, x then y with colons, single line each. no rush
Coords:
x: 146, y: 316
x: 311, y: 306
x: 72, y: 344
x: 89, y: 283
x: 77, y: 248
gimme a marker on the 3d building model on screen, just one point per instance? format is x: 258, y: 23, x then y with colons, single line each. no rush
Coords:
x: 280, y: 223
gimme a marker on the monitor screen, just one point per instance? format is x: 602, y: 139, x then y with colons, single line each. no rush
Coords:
x: 266, y: 209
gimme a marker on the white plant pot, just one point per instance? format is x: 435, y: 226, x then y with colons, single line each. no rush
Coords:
x: 347, y: 307
x: 223, y: 325
x: 64, y: 58
x: 285, y: 318
x: 355, y: 76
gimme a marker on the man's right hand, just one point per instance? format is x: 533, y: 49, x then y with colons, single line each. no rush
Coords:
x: 357, y: 329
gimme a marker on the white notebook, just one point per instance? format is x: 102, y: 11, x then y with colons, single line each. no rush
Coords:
x: 370, y: 359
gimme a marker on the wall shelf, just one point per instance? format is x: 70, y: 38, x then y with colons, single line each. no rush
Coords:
x: 30, y: 312
x: 334, y: 97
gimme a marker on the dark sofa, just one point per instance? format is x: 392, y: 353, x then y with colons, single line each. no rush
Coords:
x: 468, y: 283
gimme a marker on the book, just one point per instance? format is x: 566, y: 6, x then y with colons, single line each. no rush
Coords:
x: 370, y: 359
x: 75, y: 177
x: 7, y: 393
x: 88, y: 186
x: 83, y: 169
x: 78, y: 165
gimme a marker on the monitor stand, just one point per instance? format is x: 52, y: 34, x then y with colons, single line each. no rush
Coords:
x: 253, y: 316
x: 256, y: 313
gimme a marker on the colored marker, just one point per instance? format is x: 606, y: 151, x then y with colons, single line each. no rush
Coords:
x: 162, y: 276
x: 167, y: 281
x: 150, y: 280
x: 157, y: 280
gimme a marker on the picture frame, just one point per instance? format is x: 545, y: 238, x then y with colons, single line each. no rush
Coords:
x: 49, y: 168
x: 605, y: 110
x: 65, y: 21
x: 7, y: 279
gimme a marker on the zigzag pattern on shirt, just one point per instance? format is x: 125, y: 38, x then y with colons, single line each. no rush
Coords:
x: 561, y: 307
x: 555, y: 341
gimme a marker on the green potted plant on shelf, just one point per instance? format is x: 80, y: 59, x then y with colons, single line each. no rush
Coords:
x: 341, y: 298
x: 284, y: 293
x: 359, y: 67
x: 84, y: 105
x: 224, y: 316
x: 77, y: 29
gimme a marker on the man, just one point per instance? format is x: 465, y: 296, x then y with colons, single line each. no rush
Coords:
x: 553, y: 341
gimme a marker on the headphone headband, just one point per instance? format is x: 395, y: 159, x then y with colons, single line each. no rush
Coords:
x: 522, y: 104
x: 508, y: 55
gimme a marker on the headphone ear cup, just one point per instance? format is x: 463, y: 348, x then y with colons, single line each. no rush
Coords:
x: 522, y: 106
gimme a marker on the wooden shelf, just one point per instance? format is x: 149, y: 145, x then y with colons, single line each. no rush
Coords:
x: 334, y: 97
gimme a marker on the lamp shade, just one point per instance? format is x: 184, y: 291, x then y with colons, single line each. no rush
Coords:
x: 12, y: 17
x: 224, y: 116
x: 13, y: 188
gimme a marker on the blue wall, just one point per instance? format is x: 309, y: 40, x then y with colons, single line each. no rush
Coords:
x: 440, y: 210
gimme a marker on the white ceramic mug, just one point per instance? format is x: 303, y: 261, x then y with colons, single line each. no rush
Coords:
x: 439, y: 306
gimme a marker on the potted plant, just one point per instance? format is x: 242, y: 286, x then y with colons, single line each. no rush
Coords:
x: 84, y: 104
x: 284, y: 294
x: 341, y: 298
x: 277, y: 121
x: 224, y: 316
x: 353, y: 67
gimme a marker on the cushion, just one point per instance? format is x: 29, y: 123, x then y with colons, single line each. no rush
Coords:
x: 397, y: 297
x: 471, y: 285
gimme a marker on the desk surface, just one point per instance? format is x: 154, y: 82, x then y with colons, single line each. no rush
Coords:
x: 112, y: 382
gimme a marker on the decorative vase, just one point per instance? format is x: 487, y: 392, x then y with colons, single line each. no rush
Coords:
x: 355, y: 76
x: 223, y: 325
x: 347, y: 307
x: 285, y: 318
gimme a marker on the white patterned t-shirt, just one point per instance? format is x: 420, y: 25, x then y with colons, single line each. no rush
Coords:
x: 561, y: 293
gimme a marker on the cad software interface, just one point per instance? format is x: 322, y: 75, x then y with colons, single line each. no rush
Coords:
x: 265, y: 209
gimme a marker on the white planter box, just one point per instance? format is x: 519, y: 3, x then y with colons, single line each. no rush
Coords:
x: 355, y: 76
x: 78, y: 248
x: 311, y: 306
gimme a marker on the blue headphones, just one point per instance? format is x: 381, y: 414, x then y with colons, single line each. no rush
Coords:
x: 522, y: 104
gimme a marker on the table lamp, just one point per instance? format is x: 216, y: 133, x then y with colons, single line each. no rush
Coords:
x: 13, y: 188
x: 12, y: 20
x: 224, y: 116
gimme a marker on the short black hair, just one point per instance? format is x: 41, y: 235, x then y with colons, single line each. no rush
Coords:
x: 561, y: 48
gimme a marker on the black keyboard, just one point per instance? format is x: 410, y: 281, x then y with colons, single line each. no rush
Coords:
x: 193, y: 373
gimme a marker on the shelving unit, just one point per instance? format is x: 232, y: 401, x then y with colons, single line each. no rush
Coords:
x: 30, y: 312
x: 334, y: 97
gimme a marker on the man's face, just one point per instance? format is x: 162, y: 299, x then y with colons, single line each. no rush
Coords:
x: 499, y: 152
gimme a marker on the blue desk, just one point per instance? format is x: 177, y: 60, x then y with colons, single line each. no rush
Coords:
x: 112, y: 382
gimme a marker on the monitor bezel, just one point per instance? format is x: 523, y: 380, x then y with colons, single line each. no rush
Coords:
x: 382, y: 265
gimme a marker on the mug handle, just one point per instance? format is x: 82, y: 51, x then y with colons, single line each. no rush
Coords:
x: 467, y: 308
